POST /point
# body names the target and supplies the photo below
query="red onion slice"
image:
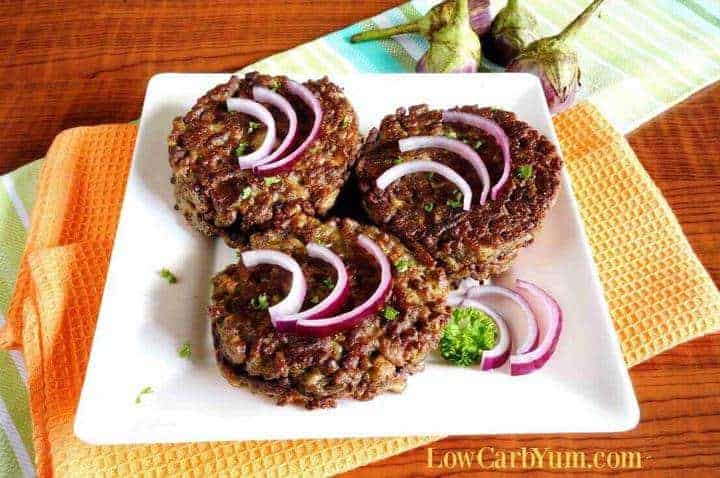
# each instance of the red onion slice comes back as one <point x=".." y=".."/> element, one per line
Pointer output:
<point x="331" y="325"/>
<point x="549" y="314"/>
<point x="531" y="334"/>
<point x="498" y="355"/>
<point x="286" y="163"/>
<point x="329" y="304"/>
<point x="456" y="296"/>
<point x="458" y="147"/>
<point x="255" y="109"/>
<point x="494" y="130"/>
<point x="268" y="96"/>
<point x="411" y="167"/>
<point x="295" y="297"/>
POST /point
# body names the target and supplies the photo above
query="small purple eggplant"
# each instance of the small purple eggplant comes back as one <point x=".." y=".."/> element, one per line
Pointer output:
<point x="556" y="64"/>
<point x="438" y="17"/>
<point x="513" y="29"/>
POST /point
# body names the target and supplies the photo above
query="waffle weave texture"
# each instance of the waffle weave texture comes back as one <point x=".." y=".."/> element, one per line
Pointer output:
<point x="659" y="296"/>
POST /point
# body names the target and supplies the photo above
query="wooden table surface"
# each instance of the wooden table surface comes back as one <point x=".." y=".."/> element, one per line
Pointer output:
<point x="87" y="62"/>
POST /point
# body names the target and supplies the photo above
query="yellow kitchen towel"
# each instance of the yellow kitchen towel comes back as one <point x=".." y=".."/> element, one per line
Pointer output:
<point x="659" y="296"/>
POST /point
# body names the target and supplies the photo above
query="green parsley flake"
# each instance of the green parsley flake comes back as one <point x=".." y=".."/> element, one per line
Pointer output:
<point x="167" y="275"/>
<point x="397" y="160"/>
<point x="469" y="333"/>
<point x="246" y="193"/>
<point x="451" y="134"/>
<point x="403" y="264"/>
<point x="260" y="302"/>
<point x="390" y="313"/>
<point x="240" y="150"/>
<point x="525" y="171"/>
<point x="346" y="121"/>
<point x="185" y="351"/>
<point x="275" y="85"/>
<point x="457" y="201"/>
<point x="478" y="143"/>
<point x="328" y="283"/>
<point x="144" y="391"/>
<point x="429" y="206"/>
<point x="252" y="126"/>
<point x="270" y="180"/>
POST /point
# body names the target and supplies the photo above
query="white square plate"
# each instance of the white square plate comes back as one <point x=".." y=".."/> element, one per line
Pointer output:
<point x="144" y="321"/>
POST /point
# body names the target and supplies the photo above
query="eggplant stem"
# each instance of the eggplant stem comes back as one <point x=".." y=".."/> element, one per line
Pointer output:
<point x="382" y="33"/>
<point x="579" y="21"/>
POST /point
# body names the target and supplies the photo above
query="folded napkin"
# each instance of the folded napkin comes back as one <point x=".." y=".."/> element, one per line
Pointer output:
<point x="659" y="296"/>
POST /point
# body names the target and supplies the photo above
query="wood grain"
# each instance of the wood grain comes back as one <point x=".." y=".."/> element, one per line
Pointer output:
<point x="64" y="64"/>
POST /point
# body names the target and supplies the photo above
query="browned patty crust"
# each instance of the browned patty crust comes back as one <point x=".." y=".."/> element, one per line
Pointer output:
<point x="375" y="356"/>
<point x="423" y="209"/>
<point x="218" y="198"/>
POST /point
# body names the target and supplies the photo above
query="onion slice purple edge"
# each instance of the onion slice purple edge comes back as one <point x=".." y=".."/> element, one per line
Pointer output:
<point x="528" y="362"/>
<point x="531" y="336"/>
<point x="403" y="169"/>
<point x="329" y="304"/>
<point x="268" y="96"/>
<point x="286" y="163"/>
<point x="412" y="143"/>
<point x="295" y="297"/>
<point x="331" y="325"/>
<point x="494" y="130"/>
<point x="498" y="355"/>
<point x="256" y="110"/>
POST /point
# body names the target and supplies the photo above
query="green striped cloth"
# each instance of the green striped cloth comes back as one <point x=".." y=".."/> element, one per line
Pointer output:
<point x="639" y="57"/>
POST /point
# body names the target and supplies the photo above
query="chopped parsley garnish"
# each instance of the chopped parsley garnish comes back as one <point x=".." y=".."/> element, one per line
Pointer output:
<point x="252" y="126"/>
<point x="403" y="264"/>
<point x="144" y="391"/>
<point x="246" y="193"/>
<point x="315" y="299"/>
<point x="328" y="283"/>
<point x="525" y="171"/>
<point x="429" y="206"/>
<point x="451" y="134"/>
<point x="275" y="85"/>
<point x="397" y="160"/>
<point x="185" y="351"/>
<point x="260" y="302"/>
<point x="478" y="143"/>
<point x="469" y="332"/>
<point x="345" y="121"/>
<point x="390" y="313"/>
<point x="457" y="201"/>
<point x="167" y="275"/>
<point x="241" y="148"/>
<point x="270" y="180"/>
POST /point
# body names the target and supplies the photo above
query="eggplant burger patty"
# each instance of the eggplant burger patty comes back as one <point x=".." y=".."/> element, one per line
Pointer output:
<point x="221" y="197"/>
<point x="426" y="210"/>
<point x="371" y="356"/>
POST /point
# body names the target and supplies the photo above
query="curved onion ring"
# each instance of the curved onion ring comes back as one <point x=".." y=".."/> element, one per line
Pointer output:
<point x="329" y="304"/>
<point x="548" y="311"/>
<point x="268" y="96"/>
<point x="286" y="163"/>
<point x="498" y="355"/>
<point x="294" y="299"/>
<point x="531" y="336"/>
<point x="325" y="327"/>
<point x="494" y="130"/>
<point x="412" y="143"/>
<point x="456" y="296"/>
<point x="255" y="109"/>
<point x="410" y="167"/>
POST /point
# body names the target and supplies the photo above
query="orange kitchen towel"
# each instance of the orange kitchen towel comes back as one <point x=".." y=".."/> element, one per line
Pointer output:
<point x="659" y="296"/>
